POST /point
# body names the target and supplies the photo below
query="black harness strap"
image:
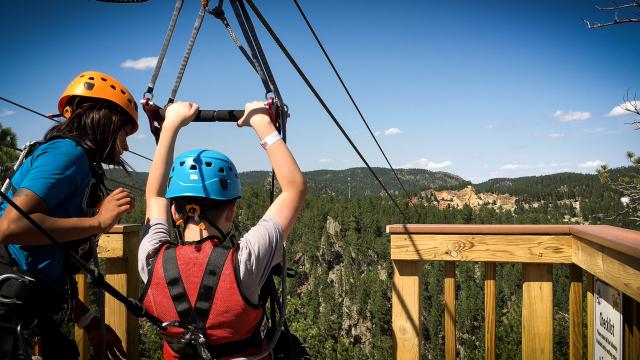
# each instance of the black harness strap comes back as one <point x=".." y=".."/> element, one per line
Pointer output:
<point x="198" y="314"/>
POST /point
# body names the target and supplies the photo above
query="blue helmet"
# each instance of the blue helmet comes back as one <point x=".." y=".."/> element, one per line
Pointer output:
<point x="203" y="173"/>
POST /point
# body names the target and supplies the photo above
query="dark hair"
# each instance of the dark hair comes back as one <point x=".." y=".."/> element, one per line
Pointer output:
<point x="210" y="207"/>
<point x="96" y="124"/>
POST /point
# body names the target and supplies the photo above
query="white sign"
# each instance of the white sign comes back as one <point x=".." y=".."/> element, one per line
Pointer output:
<point x="608" y="322"/>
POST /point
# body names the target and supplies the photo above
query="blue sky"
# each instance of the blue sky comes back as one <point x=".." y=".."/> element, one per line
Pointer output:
<point x="479" y="89"/>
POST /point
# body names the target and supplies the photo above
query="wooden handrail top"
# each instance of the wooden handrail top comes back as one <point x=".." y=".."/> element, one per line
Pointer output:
<point x="124" y="228"/>
<point x="623" y="240"/>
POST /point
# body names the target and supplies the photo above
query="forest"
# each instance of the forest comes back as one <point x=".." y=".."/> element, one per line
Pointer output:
<point x="339" y="302"/>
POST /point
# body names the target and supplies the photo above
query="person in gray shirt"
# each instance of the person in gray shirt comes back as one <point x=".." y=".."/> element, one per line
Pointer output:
<point x="201" y="202"/>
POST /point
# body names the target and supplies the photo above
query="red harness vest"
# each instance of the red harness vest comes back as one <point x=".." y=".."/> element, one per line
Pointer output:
<point x="234" y="327"/>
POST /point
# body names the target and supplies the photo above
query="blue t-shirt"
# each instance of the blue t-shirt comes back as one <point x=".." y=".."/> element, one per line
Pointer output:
<point x="59" y="173"/>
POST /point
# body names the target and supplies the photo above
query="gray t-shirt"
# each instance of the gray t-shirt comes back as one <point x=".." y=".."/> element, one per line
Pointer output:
<point x="259" y="249"/>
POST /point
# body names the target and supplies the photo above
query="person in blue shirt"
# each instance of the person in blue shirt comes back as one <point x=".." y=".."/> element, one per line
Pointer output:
<point x="61" y="185"/>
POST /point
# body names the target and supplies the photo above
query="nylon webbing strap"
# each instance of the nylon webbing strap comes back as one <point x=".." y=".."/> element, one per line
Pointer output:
<point x="174" y="283"/>
<point x="207" y="291"/>
<point x="165" y="46"/>
<point x="258" y="49"/>
<point x="218" y="13"/>
<point x="198" y="314"/>
<point x="187" y="52"/>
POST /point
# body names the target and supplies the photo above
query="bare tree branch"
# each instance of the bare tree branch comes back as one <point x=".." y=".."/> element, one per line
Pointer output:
<point x="616" y="20"/>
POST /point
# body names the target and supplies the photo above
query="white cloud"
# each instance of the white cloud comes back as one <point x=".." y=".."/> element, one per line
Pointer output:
<point x="5" y="112"/>
<point x="556" y="135"/>
<point x="377" y="133"/>
<point x="392" y="132"/>
<point x="592" y="164"/>
<point x="623" y="109"/>
<point x="513" y="166"/>
<point x="427" y="164"/>
<point x="143" y="63"/>
<point x="594" y="131"/>
<point x="571" y="115"/>
<point x="139" y="136"/>
<point x="488" y="126"/>
<point x="326" y="161"/>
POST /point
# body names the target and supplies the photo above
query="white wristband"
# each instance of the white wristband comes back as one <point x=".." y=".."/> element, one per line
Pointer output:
<point x="270" y="139"/>
<point x="86" y="319"/>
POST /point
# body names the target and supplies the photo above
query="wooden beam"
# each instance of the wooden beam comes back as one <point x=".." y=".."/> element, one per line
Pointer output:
<point x="490" y="311"/>
<point x="405" y="310"/>
<point x="81" y="340"/>
<point x="449" y="310"/>
<point x="537" y="312"/>
<point x="575" y="313"/>
<point x="590" y="315"/>
<point x="550" y="249"/>
<point x="617" y="269"/>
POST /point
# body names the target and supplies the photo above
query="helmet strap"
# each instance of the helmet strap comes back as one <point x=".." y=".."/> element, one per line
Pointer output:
<point x="199" y="219"/>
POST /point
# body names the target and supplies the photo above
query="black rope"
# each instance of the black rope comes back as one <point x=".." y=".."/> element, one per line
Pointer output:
<point x="96" y="276"/>
<point x="26" y="108"/>
<point x="187" y="53"/>
<point x="344" y="86"/>
<point x="165" y="46"/>
<point x="58" y="121"/>
<point x="320" y="100"/>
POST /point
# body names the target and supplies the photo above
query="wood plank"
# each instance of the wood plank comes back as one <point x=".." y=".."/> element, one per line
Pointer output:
<point x="537" y="312"/>
<point x="478" y="229"/>
<point x="449" y="310"/>
<point x="490" y="311"/>
<point x="81" y="340"/>
<point x="115" y="312"/>
<point x="617" y="269"/>
<point x="575" y="313"/>
<point x="495" y="248"/>
<point x="111" y="246"/>
<point x="590" y="315"/>
<point x="405" y="310"/>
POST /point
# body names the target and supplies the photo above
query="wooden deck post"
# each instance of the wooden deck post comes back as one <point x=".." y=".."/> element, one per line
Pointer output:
<point x="118" y="250"/>
<point x="450" y="310"/>
<point x="490" y="311"/>
<point x="405" y="309"/>
<point x="575" y="313"/>
<point x="537" y="312"/>
<point x="590" y="315"/>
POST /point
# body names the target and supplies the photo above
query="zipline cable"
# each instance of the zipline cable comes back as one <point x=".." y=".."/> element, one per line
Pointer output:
<point x="344" y="86"/>
<point x="320" y="100"/>
<point x="58" y="121"/>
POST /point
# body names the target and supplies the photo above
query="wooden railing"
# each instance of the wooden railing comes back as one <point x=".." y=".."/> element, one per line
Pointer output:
<point x="609" y="253"/>
<point x="117" y="251"/>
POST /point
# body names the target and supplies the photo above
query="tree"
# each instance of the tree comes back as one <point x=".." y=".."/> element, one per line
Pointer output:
<point x="629" y="185"/>
<point x="615" y="8"/>
<point x="8" y="153"/>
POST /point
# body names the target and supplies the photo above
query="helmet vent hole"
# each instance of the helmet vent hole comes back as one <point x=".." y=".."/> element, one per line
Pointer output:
<point x="122" y="91"/>
<point x="82" y="75"/>
<point x="103" y="79"/>
<point x="129" y="101"/>
<point x="193" y="167"/>
<point x="113" y="87"/>
<point x="89" y="86"/>
<point x="230" y="168"/>
<point x="208" y="163"/>
<point x="224" y="184"/>
<point x="181" y="163"/>
<point x="91" y="78"/>
<point x="221" y="170"/>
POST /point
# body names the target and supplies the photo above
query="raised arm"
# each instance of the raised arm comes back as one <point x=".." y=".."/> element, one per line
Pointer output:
<point x="178" y="115"/>
<point x="287" y="205"/>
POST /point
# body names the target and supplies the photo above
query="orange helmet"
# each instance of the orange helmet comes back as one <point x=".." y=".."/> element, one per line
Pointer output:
<point x="102" y="86"/>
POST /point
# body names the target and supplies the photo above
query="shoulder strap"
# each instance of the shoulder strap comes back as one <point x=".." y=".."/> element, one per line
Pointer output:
<point x="198" y="314"/>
